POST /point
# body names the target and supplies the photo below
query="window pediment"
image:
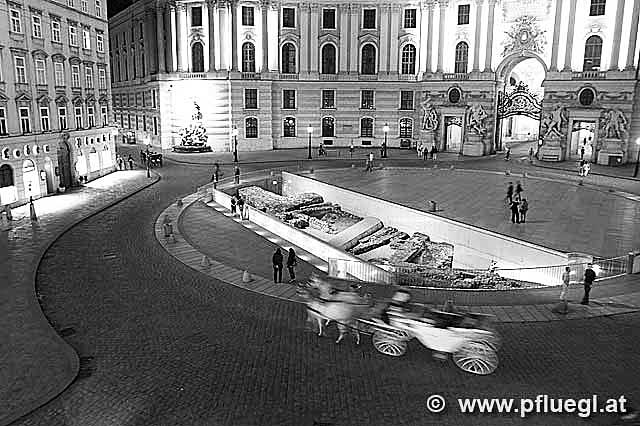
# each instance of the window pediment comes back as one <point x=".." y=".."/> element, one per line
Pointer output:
<point x="74" y="60"/>
<point x="61" y="100"/>
<point x="58" y="57"/>
<point x="43" y="100"/>
<point x="103" y="100"/>
<point x="39" y="54"/>
<point x="3" y="98"/>
<point x="368" y="38"/>
<point x="91" y="99"/>
<point x="77" y="101"/>
<point x="23" y="99"/>
<point x="329" y="38"/>
<point x="407" y="38"/>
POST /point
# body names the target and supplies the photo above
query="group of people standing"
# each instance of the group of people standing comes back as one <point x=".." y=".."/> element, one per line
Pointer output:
<point x="237" y="205"/>
<point x="518" y="205"/>
<point x="277" y="261"/>
<point x="424" y="152"/>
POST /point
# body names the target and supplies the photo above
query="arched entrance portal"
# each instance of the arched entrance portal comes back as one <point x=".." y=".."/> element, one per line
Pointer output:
<point x="519" y="101"/>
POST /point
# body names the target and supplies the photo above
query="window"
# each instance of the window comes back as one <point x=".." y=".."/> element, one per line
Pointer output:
<point x="196" y="16"/>
<point x="55" y="31"/>
<point x="86" y="39"/>
<point x="104" y="112"/>
<point x="369" y="19"/>
<point x="328" y="59"/>
<point x="16" y="21"/>
<point x="41" y="74"/>
<point x="197" y="57"/>
<point x="85" y="5"/>
<point x="247" y="16"/>
<point x="288" y="58"/>
<point x="44" y="119"/>
<point x="102" y="78"/>
<point x="155" y="126"/>
<point x="328" y="99"/>
<point x="70" y="3"/>
<point x="592" y="54"/>
<point x="289" y="127"/>
<point x="58" y="68"/>
<point x="248" y="57"/>
<point x="251" y="127"/>
<point x="77" y="112"/>
<point x="100" y="42"/>
<point x="463" y="14"/>
<point x="368" y="65"/>
<point x="406" y="128"/>
<point x="21" y="71"/>
<point x="406" y="99"/>
<point x="73" y="35"/>
<point x="25" y="120"/>
<point x="251" y="98"/>
<point x="366" y="99"/>
<point x="98" y="8"/>
<point x="597" y="7"/>
<point x="91" y="116"/>
<point x="288" y="17"/>
<point x="587" y="97"/>
<point x="288" y="99"/>
<point x="410" y="18"/>
<point x="328" y="127"/>
<point x="408" y="59"/>
<point x="366" y="127"/>
<point x="454" y="95"/>
<point x="462" y="57"/>
<point x="6" y="176"/>
<point x="36" y="26"/>
<point x="329" y="19"/>
<point x="3" y="121"/>
<point x="88" y="77"/>
<point x="75" y="75"/>
<point x="62" y="117"/>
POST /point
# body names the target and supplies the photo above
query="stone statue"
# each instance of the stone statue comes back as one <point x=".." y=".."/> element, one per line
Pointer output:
<point x="553" y="122"/>
<point x="614" y="124"/>
<point x="198" y="115"/>
<point x="430" y="115"/>
<point x="476" y="116"/>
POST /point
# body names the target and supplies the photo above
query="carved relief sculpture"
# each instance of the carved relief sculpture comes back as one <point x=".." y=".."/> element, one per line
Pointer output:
<point x="552" y="123"/>
<point x="430" y="115"/>
<point x="525" y="34"/>
<point x="614" y="125"/>
<point x="476" y="116"/>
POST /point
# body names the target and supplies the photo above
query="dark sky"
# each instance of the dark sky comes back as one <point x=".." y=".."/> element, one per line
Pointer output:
<point x="115" y="6"/>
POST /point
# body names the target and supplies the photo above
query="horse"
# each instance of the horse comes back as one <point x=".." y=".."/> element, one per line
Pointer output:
<point x="324" y="305"/>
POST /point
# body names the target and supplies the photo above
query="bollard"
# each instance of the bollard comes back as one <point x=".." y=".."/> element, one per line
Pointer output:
<point x="524" y="174"/>
<point x="507" y="172"/>
<point x="172" y="238"/>
<point x="205" y="262"/>
<point x="451" y="167"/>
<point x="432" y="206"/>
<point x="246" y="277"/>
<point x="32" y="210"/>
<point x="168" y="229"/>
<point x="179" y="202"/>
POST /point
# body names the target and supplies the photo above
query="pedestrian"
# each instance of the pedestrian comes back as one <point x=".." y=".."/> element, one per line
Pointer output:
<point x="277" y="265"/>
<point x="586" y="168"/>
<point x="589" y="278"/>
<point x="120" y="163"/>
<point x="236" y="175"/>
<point x="351" y="149"/>
<point x="531" y="155"/>
<point x="434" y="152"/>
<point x="515" y="214"/>
<point x="582" y="150"/>
<point x="420" y="149"/>
<point x="510" y="192"/>
<point x="321" y="150"/>
<point x="370" y="162"/>
<point x="564" y="292"/>
<point x="519" y="190"/>
<point x="581" y="168"/>
<point x="524" y="207"/>
<point x="216" y="171"/>
<point x="507" y="154"/>
<point x="234" y="202"/>
<point x="130" y="160"/>
<point x="241" y="207"/>
<point x="292" y="262"/>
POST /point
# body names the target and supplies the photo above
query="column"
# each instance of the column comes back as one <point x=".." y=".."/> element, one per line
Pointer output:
<point x="184" y="38"/>
<point x="150" y="44"/>
<point x="274" y="25"/>
<point x="572" y="24"/>
<point x="160" y="40"/>
<point x="617" y="35"/>
<point x="172" y="40"/>
<point x="315" y="20"/>
<point x="223" y="31"/>
<point x="476" y="41"/>
<point x="422" y="49"/>
<point x="354" y="48"/>
<point x="489" y="48"/>
<point x="631" y="51"/>
<point x="211" y="42"/>
<point x="179" y="42"/>
<point x="305" y="28"/>
<point x="395" y="31"/>
<point x="343" y="49"/>
<point x="443" y="13"/>
<point x="234" y="35"/>
<point x="384" y="55"/>
<point x="556" y="36"/>
<point x="429" y="52"/>
<point x="264" y="11"/>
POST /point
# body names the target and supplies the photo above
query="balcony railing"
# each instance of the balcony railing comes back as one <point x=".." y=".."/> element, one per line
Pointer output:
<point x="589" y="75"/>
<point x="192" y="75"/>
<point x="455" y="76"/>
<point x="288" y="76"/>
<point x="407" y="77"/>
<point x="368" y="77"/>
<point x="328" y="77"/>
<point x="250" y="76"/>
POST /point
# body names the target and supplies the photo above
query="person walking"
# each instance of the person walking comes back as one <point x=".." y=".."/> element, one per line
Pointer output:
<point x="130" y="160"/>
<point x="292" y="262"/>
<point x="586" y="169"/>
<point x="370" y="162"/>
<point x="120" y="163"/>
<point x="582" y="149"/>
<point x="531" y="155"/>
<point x="510" y="192"/>
<point x="581" y="168"/>
<point x="589" y="278"/>
<point x="276" y="260"/>
<point x="524" y="207"/>
<point x="241" y="207"/>
<point x="234" y="202"/>
<point x="507" y="154"/>
<point x="519" y="190"/>
<point x="420" y="149"/>
<point x="515" y="213"/>
<point x="434" y="152"/>
<point x="216" y="172"/>
<point x="351" y="149"/>
<point x="236" y="175"/>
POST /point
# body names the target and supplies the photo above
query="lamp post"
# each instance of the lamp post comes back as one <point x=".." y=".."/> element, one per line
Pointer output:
<point x="635" y="173"/>
<point x="147" y="142"/>
<point x="234" y="132"/>
<point x="385" y="129"/>
<point x="310" y="131"/>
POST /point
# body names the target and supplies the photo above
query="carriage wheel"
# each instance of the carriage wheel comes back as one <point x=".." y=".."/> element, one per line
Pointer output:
<point x="388" y="345"/>
<point x="477" y="358"/>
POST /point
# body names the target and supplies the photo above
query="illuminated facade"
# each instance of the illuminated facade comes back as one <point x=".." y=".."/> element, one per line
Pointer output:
<point x="54" y="97"/>
<point x="445" y="72"/>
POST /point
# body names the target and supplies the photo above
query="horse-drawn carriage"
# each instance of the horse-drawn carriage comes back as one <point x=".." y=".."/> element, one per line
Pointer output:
<point x="468" y="336"/>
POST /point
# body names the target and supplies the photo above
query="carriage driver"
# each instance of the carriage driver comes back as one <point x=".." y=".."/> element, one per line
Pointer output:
<point x="400" y="304"/>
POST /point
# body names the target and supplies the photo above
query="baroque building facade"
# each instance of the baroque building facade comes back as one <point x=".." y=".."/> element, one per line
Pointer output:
<point x="55" y="97"/>
<point x="431" y="72"/>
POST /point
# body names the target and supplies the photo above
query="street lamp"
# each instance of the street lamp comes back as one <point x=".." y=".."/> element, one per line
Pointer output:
<point x="385" y="129"/>
<point x="234" y="132"/>
<point x="310" y="131"/>
<point x="635" y="173"/>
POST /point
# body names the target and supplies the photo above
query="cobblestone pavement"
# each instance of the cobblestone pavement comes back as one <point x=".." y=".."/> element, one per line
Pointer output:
<point x="162" y="344"/>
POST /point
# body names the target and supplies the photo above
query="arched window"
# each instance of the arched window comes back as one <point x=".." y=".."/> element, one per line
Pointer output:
<point x="6" y="176"/>
<point x="289" y="127"/>
<point x="197" y="58"/>
<point x="288" y="58"/>
<point x="462" y="57"/>
<point x="328" y="127"/>
<point x="328" y="59"/>
<point x="366" y="127"/>
<point x="248" y="57"/>
<point x="409" y="59"/>
<point x="406" y="128"/>
<point x="368" y="59"/>
<point x="251" y="127"/>
<point x="592" y="53"/>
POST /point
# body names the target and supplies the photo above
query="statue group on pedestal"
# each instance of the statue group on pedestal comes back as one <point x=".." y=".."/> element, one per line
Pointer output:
<point x="430" y="119"/>
<point x="476" y="116"/>
<point x="553" y="122"/>
<point x="613" y="125"/>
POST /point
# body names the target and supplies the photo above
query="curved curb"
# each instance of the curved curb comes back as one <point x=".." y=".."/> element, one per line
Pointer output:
<point x="71" y="352"/>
